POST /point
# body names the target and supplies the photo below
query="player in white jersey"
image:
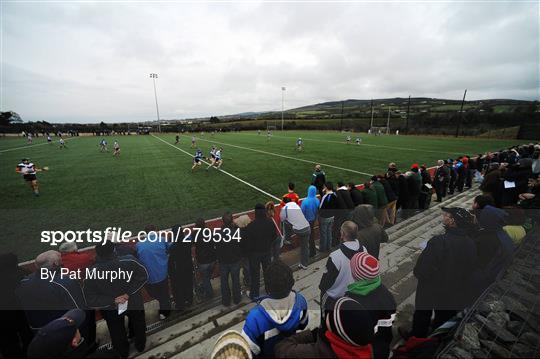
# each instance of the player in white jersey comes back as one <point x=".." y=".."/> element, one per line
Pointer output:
<point x="116" y="147"/>
<point x="29" y="139"/>
<point x="258" y="132"/>
<point x="193" y="142"/>
<point x="268" y="135"/>
<point x="348" y="139"/>
<point x="218" y="160"/>
<point x="358" y="140"/>
<point x="49" y="139"/>
<point x="61" y="143"/>
<point x="28" y="170"/>
<point x="212" y="157"/>
<point x="299" y="144"/>
<point x="103" y="146"/>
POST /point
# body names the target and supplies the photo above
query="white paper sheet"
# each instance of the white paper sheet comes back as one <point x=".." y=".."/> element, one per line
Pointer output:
<point x="122" y="307"/>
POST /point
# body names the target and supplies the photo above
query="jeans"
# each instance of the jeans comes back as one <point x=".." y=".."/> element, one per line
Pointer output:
<point x="206" y="273"/>
<point x="232" y="269"/>
<point x="160" y="291"/>
<point x="325" y="227"/>
<point x="304" y="235"/>
<point x="312" y="249"/>
<point x="256" y="261"/>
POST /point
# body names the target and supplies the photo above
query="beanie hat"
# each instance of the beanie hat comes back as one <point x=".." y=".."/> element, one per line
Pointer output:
<point x="364" y="266"/>
<point x="231" y="345"/>
<point x="351" y="322"/>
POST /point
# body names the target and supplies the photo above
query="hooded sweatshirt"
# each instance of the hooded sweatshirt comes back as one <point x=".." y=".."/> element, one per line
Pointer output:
<point x="310" y="205"/>
<point x="493" y="219"/>
<point x="259" y="234"/>
<point x="273" y="319"/>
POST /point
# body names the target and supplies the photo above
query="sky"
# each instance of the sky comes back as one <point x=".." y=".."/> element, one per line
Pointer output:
<point x="72" y="61"/>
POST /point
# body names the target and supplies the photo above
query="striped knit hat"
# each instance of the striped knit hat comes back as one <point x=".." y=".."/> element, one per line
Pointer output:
<point x="364" y="266"/>
<point x="351" y="322"/>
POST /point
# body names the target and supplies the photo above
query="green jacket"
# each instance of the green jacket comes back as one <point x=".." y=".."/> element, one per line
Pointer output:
<point x="381" y="194"/>
<point x="370" y="197"/>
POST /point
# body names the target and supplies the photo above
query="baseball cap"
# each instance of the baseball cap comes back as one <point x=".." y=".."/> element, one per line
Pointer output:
<point x="53" y="340"/>
<point x="460" y="215"/>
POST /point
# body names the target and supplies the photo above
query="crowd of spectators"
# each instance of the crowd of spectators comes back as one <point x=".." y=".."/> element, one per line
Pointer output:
<point x="357" y="311"/>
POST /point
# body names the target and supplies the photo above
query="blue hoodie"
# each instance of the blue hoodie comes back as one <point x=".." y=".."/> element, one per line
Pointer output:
<point x="310" y="205"/>
<point x="272" y="320"/>
<point x="493" y="219"/>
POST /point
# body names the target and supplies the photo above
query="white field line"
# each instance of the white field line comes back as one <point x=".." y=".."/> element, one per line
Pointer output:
<point x="362" y="144"/>
<point x="37" y="144"/>
<point x="287" y="157"/>
<point x="223" y="171"/>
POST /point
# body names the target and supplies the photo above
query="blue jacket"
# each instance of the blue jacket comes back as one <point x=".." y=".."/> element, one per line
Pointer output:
<point x="310" y="205"/>
<point x="153" y="254"/>
<point x="268" y="322"/>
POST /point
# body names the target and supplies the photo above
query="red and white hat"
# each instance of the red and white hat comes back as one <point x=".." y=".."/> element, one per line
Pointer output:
<point x="364" y="266"/>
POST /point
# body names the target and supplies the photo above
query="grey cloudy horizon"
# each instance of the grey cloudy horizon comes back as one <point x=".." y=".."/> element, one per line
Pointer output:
<point x="90" y="62"/>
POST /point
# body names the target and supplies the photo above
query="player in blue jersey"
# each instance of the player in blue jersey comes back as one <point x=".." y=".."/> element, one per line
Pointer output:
<point x="197" y="159"/>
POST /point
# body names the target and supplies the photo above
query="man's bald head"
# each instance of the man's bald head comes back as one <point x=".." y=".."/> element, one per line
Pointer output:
<point x="50" y="260"/>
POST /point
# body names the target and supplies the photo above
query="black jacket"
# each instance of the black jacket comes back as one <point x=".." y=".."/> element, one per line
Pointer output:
<point x="382" y="307"/>
<point x="356" y="196"/>
<point x="403" y="191"/>
<point x="205" y="251"/>
<point x="328" y="206"/>
<point x="390" y="195"/>
<point x="318" y="179"/>
<point x="444" y="270"/>
<point x="231" y="251"/>
<point x="43" y="301"/>
<point x="259" y="234"/>
<point x="345" y="199"/>
<point x="412" y="186"/>
<point x="100" y="293"/>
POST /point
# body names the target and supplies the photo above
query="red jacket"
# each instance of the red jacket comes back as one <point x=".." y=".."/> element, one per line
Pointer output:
<point x="77" y="260"/>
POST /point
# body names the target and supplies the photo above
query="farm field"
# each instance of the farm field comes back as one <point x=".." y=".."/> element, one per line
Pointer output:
<point x="152" y="182"/>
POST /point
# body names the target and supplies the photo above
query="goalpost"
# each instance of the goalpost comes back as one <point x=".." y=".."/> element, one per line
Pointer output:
<point x="380" y="130"/>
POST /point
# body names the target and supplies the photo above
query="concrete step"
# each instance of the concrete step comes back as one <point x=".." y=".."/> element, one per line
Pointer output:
<point x="194" y="337"/>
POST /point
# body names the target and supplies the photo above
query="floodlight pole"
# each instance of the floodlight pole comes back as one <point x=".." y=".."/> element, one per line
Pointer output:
<point x="341" y="125"/>
<point x="407" y="121"/>
<point x="371" y="125"/>
<point x="282" y="105"/>
<point x="154" y="77"/>
<point x="461" y="113"/>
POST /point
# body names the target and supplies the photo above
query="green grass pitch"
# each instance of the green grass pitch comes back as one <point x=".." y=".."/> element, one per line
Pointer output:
<point x="152" y="182"/>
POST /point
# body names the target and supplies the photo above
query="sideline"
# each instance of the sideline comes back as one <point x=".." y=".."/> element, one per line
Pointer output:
<point x="37" y="144"/>
<point x="223" y="171"/>
<point x="288" y="157"/>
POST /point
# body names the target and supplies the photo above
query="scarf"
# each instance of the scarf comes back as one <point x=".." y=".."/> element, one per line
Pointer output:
<point x="364" y="287"/>
<point x="344" y="350"/>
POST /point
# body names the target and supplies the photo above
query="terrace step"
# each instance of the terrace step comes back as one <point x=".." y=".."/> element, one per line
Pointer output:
<point x="195" y="336"/>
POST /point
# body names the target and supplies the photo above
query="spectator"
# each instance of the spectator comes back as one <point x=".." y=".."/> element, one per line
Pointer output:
<point x="441" y="180"/>
<point x="60" y="338"/>
<point x="382" y="200"/>
<point x="369" y="195"/>
<point x="293" y="216"/>
<point x="356" y="194"/>
<point x="403" y="199"/>
<point x="310" y="209"/>
<point x="73" y="259"/>
<point x="370" y="233"/>
<point x="259" y="236"/>
<point x="242" y="222"/>
<point x="44" y="299"/>
<point x="181" y="270"/>
<point x="153" y="253"/>
<point x="346" y="331"/>
<point x="16" y="334"/>
<point x="391" y="197"/>
<point x="327" y="211"/>
<point x="231" y="345"/>
<point x="392" y="167"/>
<point x="426" y="190"/>
<point x="318" y="179"/>
<point x="481" y="201"/>
<point x="206" y="259"/>
<point x="515" y="182"/>
<point x="280" y="240"/>
<point x="470" y="165"/>
<point x="337" y="273"/>
<point x="343" y="211"/>
<point x="493" y="220"/>
<point x="229" y="255"/>
<point x="291" y="195"/>
<point x="492" y="181"/>
<point x="450" y="163"/>
<point x="281" y="313"/>
<point x="375" y="298"/>
<point x="444" y="270"/>
<point x="110" y="294"/>
<point x="461" y="174"/>
<point x="413" y="185"/>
